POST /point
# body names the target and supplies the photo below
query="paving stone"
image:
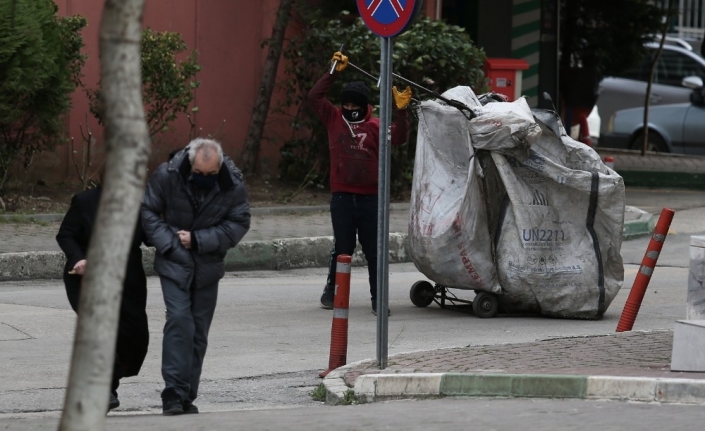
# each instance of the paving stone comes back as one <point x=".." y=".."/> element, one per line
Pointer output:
<point x="644" y="354"/>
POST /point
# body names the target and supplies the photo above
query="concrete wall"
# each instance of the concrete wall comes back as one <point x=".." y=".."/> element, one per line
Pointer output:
<point x="227" y="36"/>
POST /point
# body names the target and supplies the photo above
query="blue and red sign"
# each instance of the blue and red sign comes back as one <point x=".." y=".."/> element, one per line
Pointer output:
<point x="387" y="18"/>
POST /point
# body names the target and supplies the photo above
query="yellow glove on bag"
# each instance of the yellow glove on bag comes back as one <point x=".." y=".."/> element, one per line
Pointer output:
<point x="341" y="59"/>
<point x="402" y="99"/>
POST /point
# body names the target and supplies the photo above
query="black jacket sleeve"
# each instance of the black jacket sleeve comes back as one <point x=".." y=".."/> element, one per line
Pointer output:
<point x="157" y="232"/>
<point x="71" y="238"/>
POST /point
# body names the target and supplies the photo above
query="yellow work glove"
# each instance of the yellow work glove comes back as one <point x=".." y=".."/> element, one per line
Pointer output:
<point x="341" y="59"/>
<point x="402" y="99"/>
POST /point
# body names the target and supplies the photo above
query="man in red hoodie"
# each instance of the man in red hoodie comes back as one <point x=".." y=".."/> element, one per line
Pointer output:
<point x="353" y="141"/>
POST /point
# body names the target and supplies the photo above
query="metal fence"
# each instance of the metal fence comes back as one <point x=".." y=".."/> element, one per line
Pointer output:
<point x="691" y="19"/>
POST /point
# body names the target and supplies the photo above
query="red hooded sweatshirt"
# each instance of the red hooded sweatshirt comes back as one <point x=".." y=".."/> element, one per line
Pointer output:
<point x="354" y="147"/>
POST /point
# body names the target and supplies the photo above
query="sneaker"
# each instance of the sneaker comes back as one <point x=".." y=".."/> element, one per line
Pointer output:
<point x="114" y="401"/>
<point x="374" y="308"/>
<point x="171" y="403"/>
<point x="327" y="297"/>
<point x="189" y="408"/>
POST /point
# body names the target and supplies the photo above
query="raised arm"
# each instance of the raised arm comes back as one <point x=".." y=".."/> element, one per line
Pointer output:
<point x="321" y="106"/>
<point x="400" y="126"/>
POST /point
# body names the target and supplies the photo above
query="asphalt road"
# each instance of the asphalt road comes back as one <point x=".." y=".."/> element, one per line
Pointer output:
<point x="269" y="338"/>
<point x="426" y="415"/>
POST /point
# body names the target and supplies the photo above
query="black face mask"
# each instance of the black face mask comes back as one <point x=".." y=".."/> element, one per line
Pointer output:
<point x="354" y="115"/>
<point x="205" y="182"/>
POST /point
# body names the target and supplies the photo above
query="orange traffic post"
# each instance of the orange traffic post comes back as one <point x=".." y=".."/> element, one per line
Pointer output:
<point x="641" y="282"/>
<point x="341" y="303"/>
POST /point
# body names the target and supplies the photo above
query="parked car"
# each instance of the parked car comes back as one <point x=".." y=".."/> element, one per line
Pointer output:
<point x="677" y="61"/>
<point x="675" y="128"/>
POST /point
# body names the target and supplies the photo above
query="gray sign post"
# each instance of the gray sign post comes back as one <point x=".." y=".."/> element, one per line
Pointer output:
<point x="386" y="19"/>
<point x="385" y="160"/>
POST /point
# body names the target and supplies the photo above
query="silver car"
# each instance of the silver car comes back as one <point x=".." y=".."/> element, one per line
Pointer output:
<point x="676" y="128"/>
<point x="629" y="90"/>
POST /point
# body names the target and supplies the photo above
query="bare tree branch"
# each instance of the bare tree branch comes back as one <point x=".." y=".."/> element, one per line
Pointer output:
<point x="259" y="114"/>
<point x="654" y="63"/>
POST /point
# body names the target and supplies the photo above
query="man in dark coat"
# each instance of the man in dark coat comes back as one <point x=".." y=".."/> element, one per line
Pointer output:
<point x="194" y="210"/>
<point x="133" y="334"/>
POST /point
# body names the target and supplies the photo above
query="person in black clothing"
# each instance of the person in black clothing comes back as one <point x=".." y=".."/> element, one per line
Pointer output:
<point x="133" y="333"/>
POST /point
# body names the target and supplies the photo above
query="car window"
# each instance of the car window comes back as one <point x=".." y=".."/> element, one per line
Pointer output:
<point x="674" y="66"/>
<point x="671" y="68"/>
<point x="642" y="71"/>
<point x="638" y="73"/>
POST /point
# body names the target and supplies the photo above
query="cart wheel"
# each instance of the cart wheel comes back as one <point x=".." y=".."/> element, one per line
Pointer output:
<point x="422" y="293"/>
<point x="484" y="305"/>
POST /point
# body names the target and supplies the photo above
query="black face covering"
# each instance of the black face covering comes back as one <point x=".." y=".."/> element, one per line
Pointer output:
<point x="205" y="182"/>
<point x="354" y="115"/>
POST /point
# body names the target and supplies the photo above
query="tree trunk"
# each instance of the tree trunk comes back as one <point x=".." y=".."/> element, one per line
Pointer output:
<point x="127" y="151"/>
<point x="259" y="113"/>
<point x="647" y="101"/>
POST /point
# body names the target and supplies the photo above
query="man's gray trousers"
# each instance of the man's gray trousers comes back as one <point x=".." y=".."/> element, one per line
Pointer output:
<point x="189" y="317"/>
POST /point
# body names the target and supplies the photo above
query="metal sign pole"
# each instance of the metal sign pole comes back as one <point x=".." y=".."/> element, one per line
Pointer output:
<point x="385" y="114"/>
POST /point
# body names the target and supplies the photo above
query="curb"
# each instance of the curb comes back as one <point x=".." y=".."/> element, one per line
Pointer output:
<point x="657" y="170"/>
<point x="335" y="385"/>
<point x="249" y="255"/>
<point x="682" y="180"/>
<point x="303" y="209"/>
<point x="401" y="384"/>
<point x="279" y="254"/>
<point x="377" y="387"/>
<point x="644" y="224"/>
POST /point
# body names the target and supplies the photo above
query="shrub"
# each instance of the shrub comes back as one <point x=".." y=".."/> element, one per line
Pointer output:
<point x="168" y="85"/>
<point x="432" y="53"/>
<point x="40" y="63"/>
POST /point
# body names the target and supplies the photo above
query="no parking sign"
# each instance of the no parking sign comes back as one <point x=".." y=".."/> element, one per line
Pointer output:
<point x="387" y="18"/>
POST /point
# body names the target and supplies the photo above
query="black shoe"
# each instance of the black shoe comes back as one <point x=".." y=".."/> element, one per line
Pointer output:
<point x="374" y="308"/>
<point x="171" y="403"/>
<point x="189" y="408"/>
<point x="114" y="401"/>
<point x="327" y="297"/>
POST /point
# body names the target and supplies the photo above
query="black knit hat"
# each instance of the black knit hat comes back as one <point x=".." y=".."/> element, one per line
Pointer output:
<point x="357" y="93"/>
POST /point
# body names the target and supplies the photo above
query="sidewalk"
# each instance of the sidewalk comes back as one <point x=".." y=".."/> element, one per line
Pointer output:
<point x="632" y="366"/>
<point x="279" y="238"/>
<point x="658" y="169"/>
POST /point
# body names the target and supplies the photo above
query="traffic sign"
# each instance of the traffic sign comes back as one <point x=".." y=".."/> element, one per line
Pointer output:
<point x="385" y="18"/>
<point x="388" y="18"/>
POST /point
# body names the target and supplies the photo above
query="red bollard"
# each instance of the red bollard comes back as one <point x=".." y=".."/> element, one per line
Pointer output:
<point x="641" y="282"/>
<point x="341" y="303"/>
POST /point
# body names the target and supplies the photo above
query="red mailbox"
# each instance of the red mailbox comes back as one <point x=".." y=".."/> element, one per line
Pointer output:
<point x="505" y="76"/>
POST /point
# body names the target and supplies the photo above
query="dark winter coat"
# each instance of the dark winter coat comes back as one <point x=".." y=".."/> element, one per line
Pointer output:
<point x="75" y="235"/>
<point x="216" y="225"/>
<point x="354" y="147"/>
<point x="73" y="238"/>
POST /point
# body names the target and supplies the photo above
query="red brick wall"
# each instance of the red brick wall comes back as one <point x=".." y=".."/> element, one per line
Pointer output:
<point x="227" y="36"/>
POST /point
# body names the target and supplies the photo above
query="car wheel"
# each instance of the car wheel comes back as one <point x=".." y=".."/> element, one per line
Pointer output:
<point x="655" y="143"/>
